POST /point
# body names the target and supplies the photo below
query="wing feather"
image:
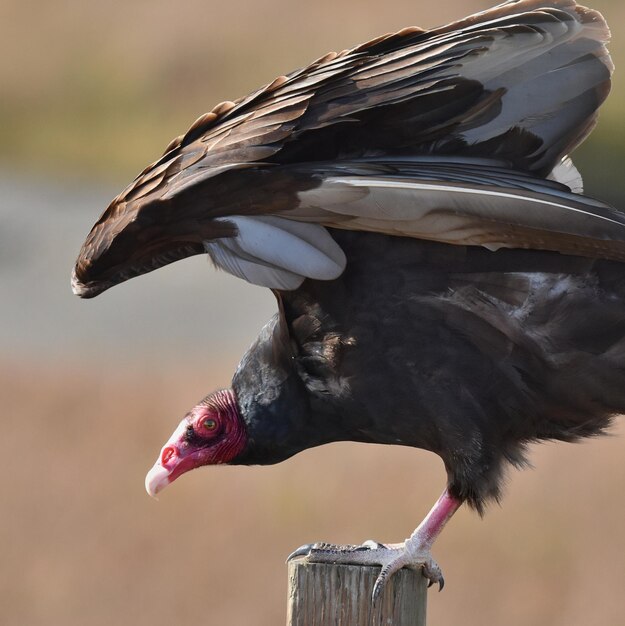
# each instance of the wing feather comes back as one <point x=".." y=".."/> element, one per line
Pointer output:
<point x="518" y="85"/>
<point x="464" y="203"/>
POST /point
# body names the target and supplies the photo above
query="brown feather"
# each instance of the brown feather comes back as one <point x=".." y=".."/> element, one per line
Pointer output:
<point x="398" y="94"/>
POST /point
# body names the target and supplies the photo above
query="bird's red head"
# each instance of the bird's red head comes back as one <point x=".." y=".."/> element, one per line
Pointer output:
<point x="211" y="433"/>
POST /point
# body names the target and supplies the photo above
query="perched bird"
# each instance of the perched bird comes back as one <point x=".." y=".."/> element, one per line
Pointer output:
<point x="483" y="310"/>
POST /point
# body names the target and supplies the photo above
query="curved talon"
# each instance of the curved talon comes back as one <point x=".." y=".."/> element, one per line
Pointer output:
<point x="386" y="572"/>
<point x="391" y="557"/>
<point x="433" y="573"/>
<point x="440" y="581"/>
<point x="378" y="587"/>
<point x="322" y="547"/>
<point x="304" y="550"/>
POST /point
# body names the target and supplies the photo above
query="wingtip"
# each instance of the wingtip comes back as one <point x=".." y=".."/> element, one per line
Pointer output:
<point x="78" y="289"/>
<point x="83" y="290"/>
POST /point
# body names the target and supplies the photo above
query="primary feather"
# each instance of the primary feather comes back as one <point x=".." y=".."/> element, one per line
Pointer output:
<point x="457" y="135"/>
<point x="495" y="101"/>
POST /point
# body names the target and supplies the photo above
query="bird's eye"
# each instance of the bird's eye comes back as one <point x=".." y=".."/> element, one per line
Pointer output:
<point x="209" y="423"/>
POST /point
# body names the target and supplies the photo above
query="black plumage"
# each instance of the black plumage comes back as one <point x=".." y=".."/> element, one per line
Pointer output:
<point x="464" y="352"/>
<point x="442" y="282"/>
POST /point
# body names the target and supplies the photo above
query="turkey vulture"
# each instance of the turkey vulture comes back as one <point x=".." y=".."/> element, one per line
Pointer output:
<point x="441" y="281"/>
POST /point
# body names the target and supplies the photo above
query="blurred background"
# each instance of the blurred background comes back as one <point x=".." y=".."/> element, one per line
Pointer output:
<point x="91" y="93"/>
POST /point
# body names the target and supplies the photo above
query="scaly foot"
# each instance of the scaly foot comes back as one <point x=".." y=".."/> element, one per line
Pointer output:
<point x="413" y="553"/>
<point x="392" y="557"/>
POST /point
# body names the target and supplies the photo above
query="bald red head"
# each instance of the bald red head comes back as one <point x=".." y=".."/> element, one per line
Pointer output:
<point x="211" y="433"/>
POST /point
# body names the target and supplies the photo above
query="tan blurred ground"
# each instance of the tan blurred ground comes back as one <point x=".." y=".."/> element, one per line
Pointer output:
<point x="89" y="391"/>
<point x="83" y="545"/>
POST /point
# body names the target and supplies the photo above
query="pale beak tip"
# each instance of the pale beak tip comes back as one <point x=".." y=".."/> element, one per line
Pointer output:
<point x="156" y="480"/>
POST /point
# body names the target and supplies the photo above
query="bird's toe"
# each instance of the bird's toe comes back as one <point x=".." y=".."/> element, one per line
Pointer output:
<point x="302" y="551"/>
<point x="391" y="557"/>
<point x="433" y="573"/>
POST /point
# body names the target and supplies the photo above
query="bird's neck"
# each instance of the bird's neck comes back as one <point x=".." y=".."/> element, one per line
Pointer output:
<point x="283" y="419"/>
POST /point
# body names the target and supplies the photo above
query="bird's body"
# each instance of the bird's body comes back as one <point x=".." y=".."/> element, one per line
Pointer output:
<point x="436" y="349"/>
<point x="441" y="281"/>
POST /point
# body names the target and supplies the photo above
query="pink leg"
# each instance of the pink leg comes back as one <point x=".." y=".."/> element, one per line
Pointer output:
<point x="430" y="528"/>
<point x="414" y="552"/>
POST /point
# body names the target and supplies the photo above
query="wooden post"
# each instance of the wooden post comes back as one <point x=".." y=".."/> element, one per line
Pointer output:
<point x="323" y="594"/>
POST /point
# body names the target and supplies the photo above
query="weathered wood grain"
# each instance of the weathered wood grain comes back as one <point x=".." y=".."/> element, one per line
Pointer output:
<point x="323" y="594"/>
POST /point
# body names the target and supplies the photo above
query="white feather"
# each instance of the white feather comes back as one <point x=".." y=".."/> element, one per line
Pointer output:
<point x="251" y="271"/>
<point x="567" y="174"/>
<point x="276" y="252"/>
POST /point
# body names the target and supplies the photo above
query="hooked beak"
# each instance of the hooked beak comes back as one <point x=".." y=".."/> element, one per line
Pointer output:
<point x="173" y="461"/>
<point x="157" y="479"/>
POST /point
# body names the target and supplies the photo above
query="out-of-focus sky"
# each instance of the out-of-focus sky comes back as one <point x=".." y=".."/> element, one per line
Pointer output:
<point x="91" y="93"/>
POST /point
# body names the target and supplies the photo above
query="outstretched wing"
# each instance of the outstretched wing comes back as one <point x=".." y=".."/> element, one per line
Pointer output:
<point x="255" y="182"/>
